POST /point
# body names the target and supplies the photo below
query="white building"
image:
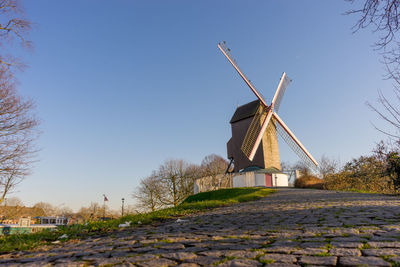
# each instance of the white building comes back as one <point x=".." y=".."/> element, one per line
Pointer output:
<point x="270" y="177"/>
<point x="53" y="220"/>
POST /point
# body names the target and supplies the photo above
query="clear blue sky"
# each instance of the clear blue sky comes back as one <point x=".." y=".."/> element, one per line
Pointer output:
<point x="121" y="86"/>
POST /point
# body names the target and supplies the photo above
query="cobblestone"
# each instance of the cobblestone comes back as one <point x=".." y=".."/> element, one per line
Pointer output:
<point x="325" y="261"/>
<point x="292" y="227"/>
<point x="279" y="258"/>
<point x="363" y="261"/>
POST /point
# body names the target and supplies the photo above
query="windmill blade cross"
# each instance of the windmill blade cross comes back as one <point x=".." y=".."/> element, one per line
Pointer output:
<point x="226" y="51"/>
<point x="256" y="131"/>
<point x="266" y="114"/>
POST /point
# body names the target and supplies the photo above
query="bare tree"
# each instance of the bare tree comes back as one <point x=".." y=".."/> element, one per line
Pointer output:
<point x="13" y="201"/>
<point x="17" y="124"/>
<point x="192" y="172"/>
<point x="167" y="186"/>
<point x="48" y="209"/>
<point x="286" y="166"/>
<point x="64" y="211"/>
<point x="388" y="112"/>
<point x="130" y="209"/>
<point x="17" y="136"/>
<point x="150" y="193"/>
<point x="83" y="214"/>
<point x="303" y="168"/>
<point x="93" y="212"/>
<point x="13" y="25"/>
<point x="214" y="166"/>
<point x="327" y="166"/>
<point x="383" y="17"/>
<point x="172" y="174"/>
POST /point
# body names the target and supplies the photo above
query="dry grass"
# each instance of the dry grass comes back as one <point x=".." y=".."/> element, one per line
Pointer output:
<point x="309" y="181"/>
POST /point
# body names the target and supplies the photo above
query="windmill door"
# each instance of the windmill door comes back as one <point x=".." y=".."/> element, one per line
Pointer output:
<point x="268" y="180"/>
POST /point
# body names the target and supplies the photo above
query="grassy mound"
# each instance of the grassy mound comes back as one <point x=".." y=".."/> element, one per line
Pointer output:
<point x="192" y="204"/>
<point x="230" y="195"/>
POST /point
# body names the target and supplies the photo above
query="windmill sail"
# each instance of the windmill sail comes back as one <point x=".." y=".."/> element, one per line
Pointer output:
<point x="254" y="130"/>
<point x="293" y="142"/>
<point x="227" y="52"/>
<point x="283" y="84"/>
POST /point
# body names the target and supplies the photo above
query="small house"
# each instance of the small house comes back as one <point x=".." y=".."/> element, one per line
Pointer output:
<point x="254" y="176"/>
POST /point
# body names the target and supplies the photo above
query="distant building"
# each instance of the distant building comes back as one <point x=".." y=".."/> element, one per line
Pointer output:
<point x="253" y="176"/>
<point x="52" y="220"/>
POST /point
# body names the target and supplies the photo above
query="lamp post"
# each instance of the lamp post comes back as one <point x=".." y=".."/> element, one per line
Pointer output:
<point x="122" y="208"/>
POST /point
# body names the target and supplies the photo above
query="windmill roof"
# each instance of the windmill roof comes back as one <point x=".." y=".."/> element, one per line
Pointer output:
<point x="246" y="111"/>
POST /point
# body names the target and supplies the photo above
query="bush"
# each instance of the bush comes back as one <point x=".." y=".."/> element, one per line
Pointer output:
<point x="309" y="181"/>
<point x="365" y="174"/>
<point x="348" y="182"/>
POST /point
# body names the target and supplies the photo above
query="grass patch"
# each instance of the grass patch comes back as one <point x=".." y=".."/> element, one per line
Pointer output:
<point x="266" y="261"/>
<point x="196" y="203"/>
<point x="366" y="246"/>
<point x="230" y="195"/>
<point x="355" y="190"/>
<point x="229" y="258"/>
<point x="389" y="259"/>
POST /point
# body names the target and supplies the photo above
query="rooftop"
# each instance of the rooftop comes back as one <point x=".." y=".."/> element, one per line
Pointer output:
<point x="246" y="111"/>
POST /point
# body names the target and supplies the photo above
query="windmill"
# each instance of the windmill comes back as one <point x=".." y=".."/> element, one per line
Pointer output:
<point x="263" y="128"/>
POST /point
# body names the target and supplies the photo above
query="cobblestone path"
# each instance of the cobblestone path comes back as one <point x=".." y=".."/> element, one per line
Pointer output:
<point x="292" y="227"/>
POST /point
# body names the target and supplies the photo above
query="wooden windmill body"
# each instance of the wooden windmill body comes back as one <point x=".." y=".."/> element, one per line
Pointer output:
<point x="267" y="154"/>
<point x="255" y="125"/>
